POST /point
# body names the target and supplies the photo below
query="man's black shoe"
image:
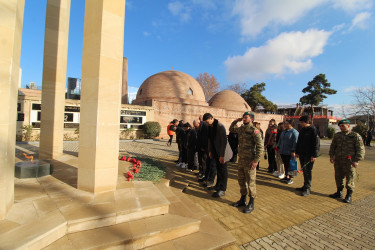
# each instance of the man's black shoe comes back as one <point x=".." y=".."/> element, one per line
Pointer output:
<point x="250" y="207"/>
<point x="201" y="179"/>
<point x="306" y="192"/>
<point x="241" y="202"/>
<point x="219" y="193"/>
<point x="336" y="195"/>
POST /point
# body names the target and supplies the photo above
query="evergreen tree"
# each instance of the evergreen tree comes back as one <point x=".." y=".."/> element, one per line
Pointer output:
<point x="254" y="97"/>
<point x="317" y="90"/>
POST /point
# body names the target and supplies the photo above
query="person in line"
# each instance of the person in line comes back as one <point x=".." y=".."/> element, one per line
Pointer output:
<point x="307" y="150"/>
<point x="170" y="131"/>
<point x="280" y="173"/>
<point x="202" y="148"/>
<point x="271" y="166"/>
<point x="287" y="147"/>
<point x="345" y="152"/>
<point x="233" y="142"/>
<point x="250" y="151"/>
<point x="219" y="152"/>
<point x="190" y="146"/>
<point x="369" y="137"/>
<point x="257" y="125"/>
<point x="180" y="138"/>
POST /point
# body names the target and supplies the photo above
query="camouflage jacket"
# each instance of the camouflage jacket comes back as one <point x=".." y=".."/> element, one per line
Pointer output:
<point x="250" y="143"/>
<point x="345" y="144"/>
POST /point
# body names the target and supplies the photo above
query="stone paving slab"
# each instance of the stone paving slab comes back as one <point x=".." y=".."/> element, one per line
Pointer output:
<point x="349" y="227"/>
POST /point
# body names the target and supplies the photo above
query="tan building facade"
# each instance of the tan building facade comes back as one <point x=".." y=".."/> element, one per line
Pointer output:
<point x="29" y="112"/>
<point x="176" y="95"/>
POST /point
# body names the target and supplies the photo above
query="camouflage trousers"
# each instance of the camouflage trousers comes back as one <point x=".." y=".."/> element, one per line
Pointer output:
<point x="246" y="178"/>
<point x="343" y="169"/>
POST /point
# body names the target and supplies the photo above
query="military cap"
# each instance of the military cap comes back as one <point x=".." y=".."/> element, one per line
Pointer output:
<point x="344" y="121"/>
<point x="250" y="113"/>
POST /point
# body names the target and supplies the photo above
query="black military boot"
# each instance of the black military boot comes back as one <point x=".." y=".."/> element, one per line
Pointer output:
<point x="338" y="194"/>
<point x="241" y="202"/>
<point x="348" y="197"/>
<point x="250" y="207"/>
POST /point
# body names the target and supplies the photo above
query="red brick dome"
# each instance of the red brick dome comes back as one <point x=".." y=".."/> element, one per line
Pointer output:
<point x="230" y="100"/>
<point x="172" y="86"/>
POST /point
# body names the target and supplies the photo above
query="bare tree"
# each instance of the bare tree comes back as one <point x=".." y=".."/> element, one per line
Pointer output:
<point x="209" y="85"/>
<point x="364" y="103"/>
<point x="239" y="88"/>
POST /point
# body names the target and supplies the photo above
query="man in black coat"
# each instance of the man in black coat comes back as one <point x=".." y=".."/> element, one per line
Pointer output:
<point x="180" y="138"/>
<point x="190" y="145"/>
<point x="233" y="142"/>
<point x="219" y="152"/>
<point x="202" y="147"/>
<point x="307" y="149"/>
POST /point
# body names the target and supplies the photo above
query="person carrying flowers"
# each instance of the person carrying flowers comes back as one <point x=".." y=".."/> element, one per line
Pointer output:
<point x="345" y="152"/>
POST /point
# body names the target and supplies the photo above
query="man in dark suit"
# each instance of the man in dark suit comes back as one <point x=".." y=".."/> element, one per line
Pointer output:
<point x="219" y="152"/>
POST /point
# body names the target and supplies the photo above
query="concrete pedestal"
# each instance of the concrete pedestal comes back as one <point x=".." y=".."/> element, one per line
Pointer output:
<point x="32" y="169"/>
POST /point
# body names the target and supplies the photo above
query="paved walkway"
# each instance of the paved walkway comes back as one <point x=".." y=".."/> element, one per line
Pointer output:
<point x="282" y="219"/>
<point x="349" y="227"/>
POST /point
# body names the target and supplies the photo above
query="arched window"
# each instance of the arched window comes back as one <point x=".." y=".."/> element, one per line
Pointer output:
<point x="190" y="91"/>
<point x="140" y="92"/>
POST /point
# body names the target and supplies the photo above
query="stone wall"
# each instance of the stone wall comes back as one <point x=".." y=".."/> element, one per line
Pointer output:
<point x="167" y="111"/>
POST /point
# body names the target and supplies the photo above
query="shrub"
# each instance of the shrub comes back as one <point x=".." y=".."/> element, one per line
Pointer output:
<point x="330" y="132"/>
<point x="361" y="129"/>
<point x="27" y="129"/>
<point x="127" y="133"/>
<point x="151" y="129"/>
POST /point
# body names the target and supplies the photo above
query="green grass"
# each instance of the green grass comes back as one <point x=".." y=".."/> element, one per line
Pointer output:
<point x="151" y="170"/>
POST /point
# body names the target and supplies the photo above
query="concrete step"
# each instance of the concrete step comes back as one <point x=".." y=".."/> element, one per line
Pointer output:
<point x="131" y="235"/>
<point x="68" y="210"/>
<point x="211" y="235"/>
<point x="36" y="234"/>
<point x="85" y="211"/>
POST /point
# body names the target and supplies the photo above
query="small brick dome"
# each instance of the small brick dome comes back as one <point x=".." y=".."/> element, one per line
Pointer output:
<point x="230" y="100"/>
<point x="172" y="86"/>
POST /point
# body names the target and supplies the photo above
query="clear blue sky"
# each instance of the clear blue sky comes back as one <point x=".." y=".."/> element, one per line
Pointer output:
<point x="282" y="43"/>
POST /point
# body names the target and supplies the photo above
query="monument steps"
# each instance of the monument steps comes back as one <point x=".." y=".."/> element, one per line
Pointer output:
<point x="211" y="235"/>
<point x="35" y="234"/>
<point x="85" y="217"/>
<point x="136" y="234"/>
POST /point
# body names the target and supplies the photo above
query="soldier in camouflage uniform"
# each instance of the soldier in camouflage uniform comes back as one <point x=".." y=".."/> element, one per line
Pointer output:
<point x="249" y="152"/>
<point x="345" y="152"/>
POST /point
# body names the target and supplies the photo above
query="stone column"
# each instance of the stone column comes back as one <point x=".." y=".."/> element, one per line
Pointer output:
<point x="103" y="43"/>
<point x="125" y="98"/>
<point x="54" y="79"/>
<point x="11" y="13"/>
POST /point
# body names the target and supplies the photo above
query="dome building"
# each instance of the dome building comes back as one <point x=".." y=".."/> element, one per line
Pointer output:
<point x="230" y="100"/>
<point x="172" y="86"/>
<point x="176" y="95"/>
